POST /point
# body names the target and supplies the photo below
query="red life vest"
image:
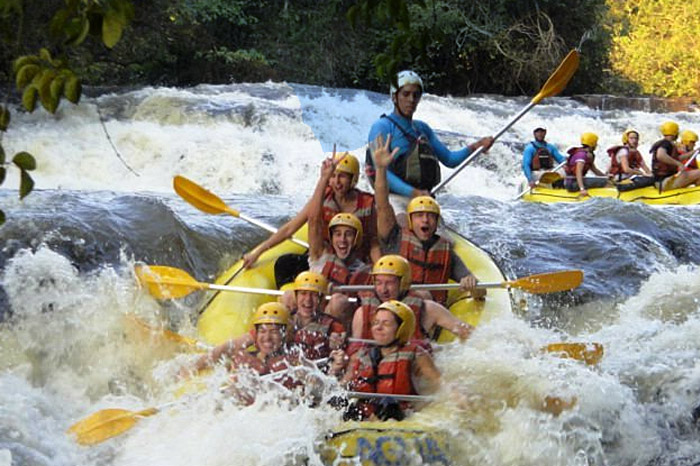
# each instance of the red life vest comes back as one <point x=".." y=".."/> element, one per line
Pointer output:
<point x="369" y="308"/>
<point x="336" y="271"/>
<point x="313" y="337"/>
<point x="274" y="363"/>
<point x="542" y="160"/>
<point x="659" y="168"/>
<point x="431" y="266"/>
<point x="681" y="151"/>
<point x="364" y="211"/>
<point x="570" y="167"/>
<point x="634" y="160"/>
<point x="391" y="375"/>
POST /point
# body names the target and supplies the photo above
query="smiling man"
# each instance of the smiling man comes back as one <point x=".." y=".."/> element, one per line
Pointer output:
<point x="431" y="256"/>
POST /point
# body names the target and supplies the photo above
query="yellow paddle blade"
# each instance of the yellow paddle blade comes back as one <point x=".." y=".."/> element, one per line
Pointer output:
<point x="560" y="78"/>
<point x="590" y="353"/>
<point x="137" y="323"/>
<point x="106" y="424"/>
<point x="549" y="282"/>
<point x="165" y="282"/>
<point x="200" y="198"/>
<point x="549" y="178"/>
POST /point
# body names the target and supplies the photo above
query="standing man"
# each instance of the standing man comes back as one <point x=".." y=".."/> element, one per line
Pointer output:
<point x="539" y="155"/>
<point x="415" y="169"/>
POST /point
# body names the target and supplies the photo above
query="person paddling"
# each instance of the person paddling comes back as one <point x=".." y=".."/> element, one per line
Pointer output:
<point x="415" y="169"/>
<point x="538" y="156"/>
<point x="390" y="367"/>
<point x="686" y="148"/>
<point x="666" y="163"/>
<point x="581" y="160"/>
<point x="431" y="256"/>
<point x="627" y="162"/>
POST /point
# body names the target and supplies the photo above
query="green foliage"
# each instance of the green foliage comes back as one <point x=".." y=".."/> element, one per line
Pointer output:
<point x="655" y="45"/>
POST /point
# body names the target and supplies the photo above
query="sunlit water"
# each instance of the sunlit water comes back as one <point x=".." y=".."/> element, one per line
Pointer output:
<point x="67" y="350"/>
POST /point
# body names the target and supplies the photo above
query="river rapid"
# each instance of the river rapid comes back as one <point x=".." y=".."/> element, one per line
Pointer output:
<point x="103" y="203"/>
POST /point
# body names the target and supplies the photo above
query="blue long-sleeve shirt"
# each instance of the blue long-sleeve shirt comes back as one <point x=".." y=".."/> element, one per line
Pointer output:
<point x="531" y="150"/>
<point x="386" y="127"/>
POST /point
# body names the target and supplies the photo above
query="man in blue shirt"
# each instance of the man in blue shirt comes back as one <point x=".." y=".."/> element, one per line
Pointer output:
<point x="416" y="150"/>
<point x="539" y="155"/>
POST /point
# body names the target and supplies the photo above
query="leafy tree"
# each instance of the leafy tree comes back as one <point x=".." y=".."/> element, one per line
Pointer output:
<point x="655" y="45"/>
<point x="46" y="77"/>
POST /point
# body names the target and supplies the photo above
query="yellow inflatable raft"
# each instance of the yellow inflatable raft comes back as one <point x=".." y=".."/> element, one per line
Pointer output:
<point x="649" y="195"/>
<point x="227" y="315"/>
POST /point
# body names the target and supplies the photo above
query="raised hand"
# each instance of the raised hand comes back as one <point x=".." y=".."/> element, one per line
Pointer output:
<point x="380" y="151"/>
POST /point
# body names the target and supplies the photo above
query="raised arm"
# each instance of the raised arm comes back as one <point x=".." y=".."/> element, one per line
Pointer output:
<point x="316" y="233"/>
<point x="386" y="217"/>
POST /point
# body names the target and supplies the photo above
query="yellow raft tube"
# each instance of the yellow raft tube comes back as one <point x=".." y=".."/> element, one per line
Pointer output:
<point x="648" y="195"/>
<point x="227" y="315"/>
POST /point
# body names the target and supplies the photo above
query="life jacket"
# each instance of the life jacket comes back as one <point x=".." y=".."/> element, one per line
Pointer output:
<point x="364" y="211"/>
<point x="336" y="271"/>
<point x="370" y="305"/>
<point x="634" y="160"/>
<point x="682" y="151"/>
<point x="570" y="167"/>
<point x="419" y="167"/>
<point x="312" y="339"/>
<point x="274" y="363"/>
<point x="661" y="169"/>
<point x="543" y="159"/>
<point x="431" y="266"/>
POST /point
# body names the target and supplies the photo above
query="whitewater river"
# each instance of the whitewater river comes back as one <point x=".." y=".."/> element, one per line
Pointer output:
<point x="66" y="281"/>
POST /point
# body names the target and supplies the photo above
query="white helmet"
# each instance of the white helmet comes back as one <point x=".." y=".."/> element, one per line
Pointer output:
<point x="406" y="77"/>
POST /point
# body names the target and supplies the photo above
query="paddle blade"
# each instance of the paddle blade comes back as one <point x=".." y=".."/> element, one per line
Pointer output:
<point x="590" y="353"/>
<point x="549" y="282"/>
<point x="549" y="178"/>
<point x="144" y="328"/>
<point x="165" y="282"/>
<point x="200" y="198"/>
<point x="560" y="78"/>
<point x="106" y="424"/>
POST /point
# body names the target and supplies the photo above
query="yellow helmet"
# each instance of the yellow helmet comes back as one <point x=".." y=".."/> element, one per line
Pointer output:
<point x="407" y="318"/>
<point x="626" y="135"/>
<point x="669" y="128"/>
<point x="688" y="137"/>
<point x="422" y="204"/>
<point x="395" y="265"/>
<point x="348" y="163"/>
<point x="348" y="220"/>
<point x="311" y="281"/>
<point x="271" y="313"/>
<point x="590" y="140"/>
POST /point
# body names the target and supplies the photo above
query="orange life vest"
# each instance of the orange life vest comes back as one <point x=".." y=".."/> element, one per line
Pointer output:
<point x="273" y="363"/>
<point x="634" y="160"/>
<point x="313" y="337"/>
<point x="336" y="271"/>
<point x="694" y="164"/>
<point x="431" y="266"/>
<point x="364" y="211"/>
<point x="659" y="168"/>
<point x="391" y="374"/>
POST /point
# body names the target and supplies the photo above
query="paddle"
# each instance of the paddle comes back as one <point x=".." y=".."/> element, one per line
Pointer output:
<point x="549" y="282"/>
<point x="109" y="423"/>
<point x="554" y="85"/>
<point x="210" y="203"/>
<point x="590" y="353"/>
<point x="167" y="334"/>
<point x="548" y="177"/>
<point x="165" y="282"/>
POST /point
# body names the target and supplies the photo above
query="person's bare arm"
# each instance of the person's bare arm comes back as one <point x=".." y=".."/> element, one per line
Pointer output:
<point x="283" y="233"/>
<point x="386" y="218"/>
<point x="437" y="314"/>
<point x="316" y="224"/>
<point x="427" y="372"/>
